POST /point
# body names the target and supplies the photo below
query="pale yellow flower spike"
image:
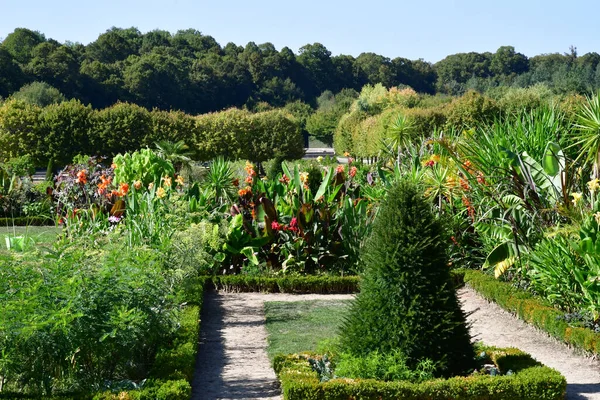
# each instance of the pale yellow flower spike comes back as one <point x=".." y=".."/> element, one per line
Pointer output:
<point x="576" y="198"/>
<point x="593" y="185"/>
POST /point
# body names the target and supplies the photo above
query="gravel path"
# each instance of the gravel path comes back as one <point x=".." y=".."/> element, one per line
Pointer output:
<point x="233" y="363"/>
<point x="232" y="358"/>
<point x="494" y="326"/>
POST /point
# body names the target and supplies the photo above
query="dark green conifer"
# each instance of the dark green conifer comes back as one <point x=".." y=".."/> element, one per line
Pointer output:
<point x="407" y="301"/>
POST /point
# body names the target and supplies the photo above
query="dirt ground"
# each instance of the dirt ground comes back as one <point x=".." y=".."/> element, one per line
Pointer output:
<point x="233" y="364"/>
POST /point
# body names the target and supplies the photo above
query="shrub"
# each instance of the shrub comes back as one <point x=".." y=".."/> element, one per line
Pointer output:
<point x="407" y="301"/>
<point x="120" y="128"/>
<point x="469" y="110"/>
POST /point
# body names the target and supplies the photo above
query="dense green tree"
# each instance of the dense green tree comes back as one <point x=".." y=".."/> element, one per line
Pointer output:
<point x="40" y="94"/>
<point x="11" y="75"/>
<point x="21" y="42"/>
<point x="407" y="301"/>
<point x="115" y="44"/>
<point x="319" y="69"/>
<point x="506" y="61"/>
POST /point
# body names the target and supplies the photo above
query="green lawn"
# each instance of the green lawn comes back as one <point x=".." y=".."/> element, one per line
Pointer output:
<point x="41" y="235"/>
<point x="299" y="326"/>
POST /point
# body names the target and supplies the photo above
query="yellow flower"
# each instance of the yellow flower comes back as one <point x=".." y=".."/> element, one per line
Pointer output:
<point x="160" y="193"/>
<point x="168" y="182"/>
<point x="593" y="185"/>
<point x="435" y="158"/>
<point x="150" y="185"/>
<point x="303" y="177"/>
<point x="597" y="217"/>
<point x="179" y="180"/>
<point x="137" y="185"/>
<point x="576" y="198"/>
<point x="320" y="159"/>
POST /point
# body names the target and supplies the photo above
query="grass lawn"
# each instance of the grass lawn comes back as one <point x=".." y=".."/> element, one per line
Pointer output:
<point x="41" y="235"/>
<point x="299" y="326"/>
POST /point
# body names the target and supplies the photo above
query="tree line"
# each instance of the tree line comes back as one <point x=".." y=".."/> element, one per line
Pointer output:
<point x="191" y="72"/>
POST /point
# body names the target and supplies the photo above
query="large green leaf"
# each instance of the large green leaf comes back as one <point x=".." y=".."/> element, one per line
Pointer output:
<point x="554" y="159"/>
<point x="249" y="253"/>
<point x="325" y="184"/>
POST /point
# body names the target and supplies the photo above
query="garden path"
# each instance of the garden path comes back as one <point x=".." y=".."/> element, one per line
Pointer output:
<point x="233" y="364"/>
<point x="496" y="327"/>
<point x="232" y="358"/>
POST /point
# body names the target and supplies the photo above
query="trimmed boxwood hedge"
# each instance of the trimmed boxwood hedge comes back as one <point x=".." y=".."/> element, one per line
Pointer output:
<point x="287" y="284"/>
<point x="27" y="221"/>
<point x="529" y="380"/>
<point x="172" y="374"/>
<point x="532" y="310"/>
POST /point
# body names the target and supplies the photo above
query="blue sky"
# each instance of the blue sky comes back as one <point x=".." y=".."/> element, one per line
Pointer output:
<point x="412" y="29"/>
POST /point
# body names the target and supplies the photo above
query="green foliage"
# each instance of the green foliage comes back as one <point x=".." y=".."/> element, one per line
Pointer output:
<point x="143" y="165"/>
<point x="195" y="248"/>
<point x="407" y="302"/>
<point x="388" y="367"/>
<point x="40" y="94"/>
<point x="236" y="134"/>
<point x="530" y="381"/>
<point x="469" y="110"/>
<point x="120" y="128"/>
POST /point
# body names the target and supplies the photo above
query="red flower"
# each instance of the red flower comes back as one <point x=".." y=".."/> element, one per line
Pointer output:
<point x="284" y="179"/>
<point x="275" y="226"/>
<point x="352" y="172"/>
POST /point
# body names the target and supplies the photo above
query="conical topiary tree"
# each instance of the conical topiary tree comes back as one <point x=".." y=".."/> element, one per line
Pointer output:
<point x="407" y="302"/>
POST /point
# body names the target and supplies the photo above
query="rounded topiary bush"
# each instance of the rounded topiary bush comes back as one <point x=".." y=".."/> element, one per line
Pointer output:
<point x="407" y="302"/>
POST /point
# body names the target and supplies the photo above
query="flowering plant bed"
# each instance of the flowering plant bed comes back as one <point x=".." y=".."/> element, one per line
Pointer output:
<point x="518" y="377"/>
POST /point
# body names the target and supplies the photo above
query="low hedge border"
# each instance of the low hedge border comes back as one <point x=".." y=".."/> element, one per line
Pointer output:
<point x="529" y="380"/>
<point x="27" y="221"/>
<point x="532" y="310"/>
<point x="296" y="284"/>
<point x="173" y="371"/>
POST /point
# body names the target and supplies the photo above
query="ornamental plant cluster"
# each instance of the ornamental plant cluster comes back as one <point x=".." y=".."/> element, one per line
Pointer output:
<point x="521" y="194"/>
<point x="94" y="312"/>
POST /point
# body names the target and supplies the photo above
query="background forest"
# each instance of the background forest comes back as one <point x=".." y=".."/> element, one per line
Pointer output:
<point x="191" y="72"/>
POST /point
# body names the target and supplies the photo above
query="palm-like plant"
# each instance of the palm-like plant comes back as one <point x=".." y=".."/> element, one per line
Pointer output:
<point x="588" y="136"/>
<point x="400" y="136"/>
<point x="178" y="153"/>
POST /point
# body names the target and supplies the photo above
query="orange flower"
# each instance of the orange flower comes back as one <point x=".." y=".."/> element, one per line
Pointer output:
<point x="352" y="172"/>
<point x="168" y="182"/>
<point x="113" y="166"/>
<point x="179" y="180"/>
<point x="480" y="178"/>
<point x="82" y="177"/>
<point x="245" y="192"/>
<point x="249" y="179"/>
<point x="465" y="185"/>
<point x="160" y="193"/>
<point x="123" y="189"/>
<point x="339" y="169"/>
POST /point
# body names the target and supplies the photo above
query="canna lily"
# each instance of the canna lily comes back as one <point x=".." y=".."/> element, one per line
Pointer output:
<point x="160" y="193"/>
<point x="137" y="185"/>
<point x="123" y="189"/>
<point x="167" y="181"/>
<point x="82" y="177"/>
<point x="179" y="180"/>
<point x="353" y="172"/>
